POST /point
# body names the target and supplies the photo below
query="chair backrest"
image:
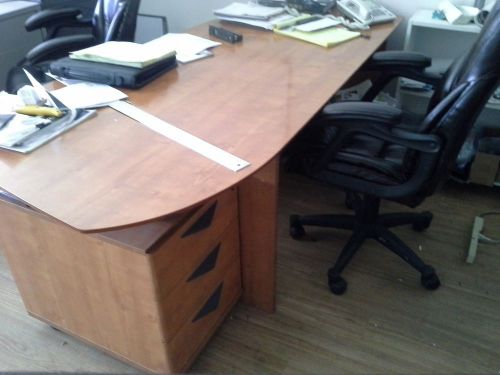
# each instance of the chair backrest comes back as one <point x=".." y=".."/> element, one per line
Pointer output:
<point x="474" y="82"/>
<point x="456" y="70"/>
<point x="115" y="20"/>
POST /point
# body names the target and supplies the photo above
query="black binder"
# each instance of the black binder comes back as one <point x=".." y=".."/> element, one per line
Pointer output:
<point x="111" y="74"/>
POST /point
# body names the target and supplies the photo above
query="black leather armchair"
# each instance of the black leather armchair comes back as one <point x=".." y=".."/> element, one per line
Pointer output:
<point x="387" y="65"/>
<point x="367" y="150"/>
<point x="112" y="20"/>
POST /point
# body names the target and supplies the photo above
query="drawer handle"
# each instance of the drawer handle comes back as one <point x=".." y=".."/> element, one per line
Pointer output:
<point x="211" y="305"/>
<point x="207" y="265"/>
<point x="203" y="222"/>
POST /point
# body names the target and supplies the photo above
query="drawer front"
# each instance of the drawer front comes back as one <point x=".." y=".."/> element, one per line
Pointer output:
<point x="197" y="331"/>
<point x="177" y="257"/>
<point x="183" y="303"/>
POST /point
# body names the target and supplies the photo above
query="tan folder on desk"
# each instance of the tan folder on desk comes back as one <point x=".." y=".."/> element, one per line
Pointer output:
<point x="325" y="38"/>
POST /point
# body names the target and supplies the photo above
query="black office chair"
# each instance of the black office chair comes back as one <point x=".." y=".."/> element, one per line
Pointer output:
<point x="388" y="65"/>
<point x="112" y="20"/>
<point x="366" y="149"/>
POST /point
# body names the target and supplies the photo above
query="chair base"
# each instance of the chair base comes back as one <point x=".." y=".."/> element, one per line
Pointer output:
<point x="368" y="223"/>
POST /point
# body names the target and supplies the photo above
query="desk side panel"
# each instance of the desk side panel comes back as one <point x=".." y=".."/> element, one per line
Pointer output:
<point x="96" y="291"/>
<point x="258" y="213"/>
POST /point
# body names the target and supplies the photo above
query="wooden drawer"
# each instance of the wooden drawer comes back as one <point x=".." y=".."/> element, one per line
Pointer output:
<point x="196" y="332"/>
<point x="183" y="303"/>
<point x="176" y="258"/>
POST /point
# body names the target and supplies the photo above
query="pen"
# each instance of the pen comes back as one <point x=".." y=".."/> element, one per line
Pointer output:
<point x="33" y="110"/>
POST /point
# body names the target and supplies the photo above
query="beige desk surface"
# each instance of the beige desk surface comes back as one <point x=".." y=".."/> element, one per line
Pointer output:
<point x="250" y="99"/>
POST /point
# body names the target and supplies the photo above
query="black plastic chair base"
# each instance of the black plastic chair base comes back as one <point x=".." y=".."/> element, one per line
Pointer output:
<point x="366" y="224"/>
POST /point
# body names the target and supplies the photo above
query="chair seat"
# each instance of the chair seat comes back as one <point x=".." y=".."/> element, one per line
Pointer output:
<point x="383" y="165"/>
<point x="364" y="157"/>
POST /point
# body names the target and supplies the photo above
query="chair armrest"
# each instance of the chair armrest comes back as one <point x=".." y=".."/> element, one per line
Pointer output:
<point x="356" y="112"/>
<point x="391" y="59"/>
<point x="58" y="47"/>
<point x="52" y="17"/>
<point x="425" y="143"/>
<point x="393" y="64"/>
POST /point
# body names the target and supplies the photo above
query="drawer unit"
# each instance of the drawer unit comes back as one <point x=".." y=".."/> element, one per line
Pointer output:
<point x="151" y="295"/>
<point x="185" y="300"/>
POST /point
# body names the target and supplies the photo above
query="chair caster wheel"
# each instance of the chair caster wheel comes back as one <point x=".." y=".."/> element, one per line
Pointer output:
<point x="297" y="231"/>
<point x="337" y="284"/>
<point x="423" y="224"/>
<point x="429" y="279"/>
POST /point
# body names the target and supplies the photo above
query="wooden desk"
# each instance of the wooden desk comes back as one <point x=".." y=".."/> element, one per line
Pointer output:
<point x="251" y="99"/>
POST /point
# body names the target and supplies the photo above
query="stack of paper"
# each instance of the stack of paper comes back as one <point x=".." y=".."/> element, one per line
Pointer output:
<point x="249" y="10"/>
<point x="187" y="47"/>
<point x="253" y="14"/>
<point x="123" y="53"/>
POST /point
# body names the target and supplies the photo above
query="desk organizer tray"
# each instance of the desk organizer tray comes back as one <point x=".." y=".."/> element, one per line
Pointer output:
<point x="38" y="138"/>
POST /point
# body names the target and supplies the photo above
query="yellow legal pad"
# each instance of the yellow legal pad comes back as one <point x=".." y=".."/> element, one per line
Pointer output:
<point x="325" y="38"/>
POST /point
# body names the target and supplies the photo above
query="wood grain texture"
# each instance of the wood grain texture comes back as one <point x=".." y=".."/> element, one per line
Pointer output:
<point x="135" y="304"/>
<point x="95" y="290"/>
<point x="250" y="100"/>
<point x="258" y="213"/>
<point x="385" y="324"/>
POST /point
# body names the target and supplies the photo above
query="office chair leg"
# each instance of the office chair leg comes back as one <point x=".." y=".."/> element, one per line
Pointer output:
<point x="428" y="279"/>
<point x="419" y="221"/>
<point x="368" y="223"/>
<point x="330" y="221"/>
<point x="336" y="283"/>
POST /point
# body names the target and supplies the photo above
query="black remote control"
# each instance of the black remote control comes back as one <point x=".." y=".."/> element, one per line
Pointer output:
<point x="224" y="34"/>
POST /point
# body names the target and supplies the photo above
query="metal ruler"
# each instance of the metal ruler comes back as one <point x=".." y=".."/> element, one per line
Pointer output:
<point x="180" y="136"/>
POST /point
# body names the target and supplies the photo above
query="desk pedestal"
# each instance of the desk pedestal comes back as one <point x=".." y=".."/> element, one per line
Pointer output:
<point x="151" y="295"/>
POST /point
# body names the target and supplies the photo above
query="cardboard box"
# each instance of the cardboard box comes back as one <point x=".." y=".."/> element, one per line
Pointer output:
<point x="485" y="169"/>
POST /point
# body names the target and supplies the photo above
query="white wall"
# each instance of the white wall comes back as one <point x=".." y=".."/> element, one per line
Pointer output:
<point x="183" y="14"/>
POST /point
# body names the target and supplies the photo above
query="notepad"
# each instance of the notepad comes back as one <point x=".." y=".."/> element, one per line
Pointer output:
<point x="123" y="53"/>
<point x="325" y="38"/>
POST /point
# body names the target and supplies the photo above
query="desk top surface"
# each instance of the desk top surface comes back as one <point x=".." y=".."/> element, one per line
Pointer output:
<point x="250" y="99"/>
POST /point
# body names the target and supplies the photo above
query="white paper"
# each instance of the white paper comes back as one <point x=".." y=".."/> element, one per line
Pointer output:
<point x="88" y="95"/>
<point x="264" y="24"/>
<point x="187" y="47"/>
<point x="18" y="128"/>
<point x="41" y="91"/>
<point x="9" y="103"/>
<point x="188" y="58"/>
<point x="182" y="137"/>
<point x="249" y="10"/>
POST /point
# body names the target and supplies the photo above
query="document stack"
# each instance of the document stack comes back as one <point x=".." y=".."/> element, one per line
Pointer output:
<point x="121" y="64"/>
<point x="253" y="14"/>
